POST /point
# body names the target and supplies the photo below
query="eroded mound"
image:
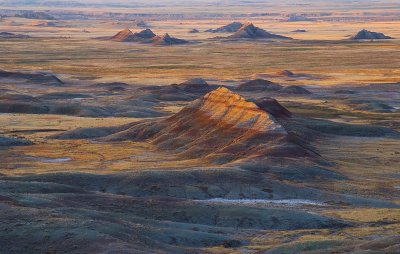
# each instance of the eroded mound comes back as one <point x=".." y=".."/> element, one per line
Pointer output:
<point x="194" y="85"/>
<point x="127" y="35"/>
<point x="259" y="85"/>
<point x="221" y="126"/>
<point x="249" y="31"/>
<point x="166" y="39"/>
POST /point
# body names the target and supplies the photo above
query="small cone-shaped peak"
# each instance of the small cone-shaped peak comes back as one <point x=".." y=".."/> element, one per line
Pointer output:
<point x="147" y="33"/>
<point x="122" y="35"/>
<point x="250" y="31"/>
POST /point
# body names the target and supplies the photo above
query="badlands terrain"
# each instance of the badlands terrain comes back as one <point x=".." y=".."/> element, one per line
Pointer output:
<point x="238" y="127"/>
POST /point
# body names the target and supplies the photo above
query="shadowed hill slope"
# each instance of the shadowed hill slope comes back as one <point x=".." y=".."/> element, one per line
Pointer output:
<point x="259" y="85"/>
<point x="7" y="35"/>
<point x="230" y="28"/>
<point x="32" y="77"/>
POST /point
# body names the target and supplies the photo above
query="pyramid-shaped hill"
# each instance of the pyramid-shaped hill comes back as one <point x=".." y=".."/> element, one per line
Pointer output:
<point x="127" y="35"/>
<point x="249" y="31"/>
<point x="368" y="35"/>
<point x="230" y="28"/>
<point x="122" y="36"/>
<point x="221" y="126"/>
<point x="146" y="34"/>
<point x="166" y="39"/>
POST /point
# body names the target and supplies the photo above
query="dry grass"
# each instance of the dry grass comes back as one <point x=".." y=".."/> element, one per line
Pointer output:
<point x="78" y="56"/>
<point x="367" y="215"/>
<point x="83" y="156"/>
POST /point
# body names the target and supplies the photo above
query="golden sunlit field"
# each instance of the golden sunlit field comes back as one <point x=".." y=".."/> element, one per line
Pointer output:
<point x="331" y="59"/>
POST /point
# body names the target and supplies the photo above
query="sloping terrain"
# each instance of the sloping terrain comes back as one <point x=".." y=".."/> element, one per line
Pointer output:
<point x="259" y="85"/>
<point x="32" y="77"/>
<point x="45" y="93"/>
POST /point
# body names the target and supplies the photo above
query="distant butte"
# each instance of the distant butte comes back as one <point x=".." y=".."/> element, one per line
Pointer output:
<point x="146" y="36"/>
<point x="230" y="28"/>
<point x="368" y="35"/>
<point x="166" y="39"/>
<point x="249" y="31"/>
<point x="194" y="85"/>
<point x="259" y="85"/>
